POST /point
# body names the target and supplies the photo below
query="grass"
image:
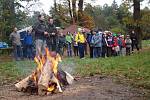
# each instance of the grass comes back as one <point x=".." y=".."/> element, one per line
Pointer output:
<point x="134" y="69"/>
<point x="12" y="71"/>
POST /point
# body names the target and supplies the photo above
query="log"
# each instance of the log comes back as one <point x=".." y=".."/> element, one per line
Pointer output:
<point x="44" y="78"/>
<point x="22" y="84"/>
<point x="69" y="78"/>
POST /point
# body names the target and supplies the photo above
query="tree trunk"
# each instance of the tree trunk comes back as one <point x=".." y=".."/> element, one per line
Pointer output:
<point x="137" y="18"/>
<point x="80" y="4"/>
<point x="74" y="11"/>
<point x="70" y="11"/>
<point x="55" y="5"/>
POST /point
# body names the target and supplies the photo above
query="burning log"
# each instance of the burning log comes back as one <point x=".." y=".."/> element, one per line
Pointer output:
<point x="47" y="78"/>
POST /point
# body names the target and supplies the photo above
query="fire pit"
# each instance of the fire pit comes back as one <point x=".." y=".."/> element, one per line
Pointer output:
<point x="47" y="77"/>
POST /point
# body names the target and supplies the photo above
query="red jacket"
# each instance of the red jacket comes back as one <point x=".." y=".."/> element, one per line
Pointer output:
<point x="115" y="42"/>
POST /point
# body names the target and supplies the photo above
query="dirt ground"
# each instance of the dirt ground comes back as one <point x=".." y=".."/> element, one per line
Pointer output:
<point x="87" y="88"/>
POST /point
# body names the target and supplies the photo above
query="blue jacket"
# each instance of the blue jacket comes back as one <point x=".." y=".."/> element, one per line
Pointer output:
<point x="89" y="38"/>
<point x="97" y="40"/>
<point x="28" y="39"/>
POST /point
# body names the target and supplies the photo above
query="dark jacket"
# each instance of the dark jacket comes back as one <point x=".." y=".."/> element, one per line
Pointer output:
<point x="133" y="37"/>
<point x="104" y="40"/>
<point x="110" y="41"/>
<point x="61" y="41"/>
<point x="51" y="39"/>
<point x="40" y="28"/>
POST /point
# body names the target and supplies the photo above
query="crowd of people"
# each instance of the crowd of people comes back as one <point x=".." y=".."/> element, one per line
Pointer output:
<point x="97" y="42"/>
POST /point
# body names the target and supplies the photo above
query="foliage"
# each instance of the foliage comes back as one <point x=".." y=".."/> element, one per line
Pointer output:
<point x="118" y="30"/>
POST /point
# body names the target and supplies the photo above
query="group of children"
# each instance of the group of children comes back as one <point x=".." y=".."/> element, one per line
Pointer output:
<point x="100" y="44"/>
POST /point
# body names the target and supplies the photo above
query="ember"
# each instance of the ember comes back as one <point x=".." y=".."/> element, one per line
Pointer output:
<point x="47" y="78"/>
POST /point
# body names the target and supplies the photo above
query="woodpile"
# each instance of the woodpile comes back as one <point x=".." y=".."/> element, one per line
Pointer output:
<point x="47" y="78"/>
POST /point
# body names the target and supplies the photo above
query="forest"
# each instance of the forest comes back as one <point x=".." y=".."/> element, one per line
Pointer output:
<point x="117" y="18"/>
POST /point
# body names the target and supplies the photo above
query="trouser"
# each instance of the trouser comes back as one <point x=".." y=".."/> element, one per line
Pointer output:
<point x="136" y="45"/>
<point x="91" y="51"/>
<point x="109" y="51"/>
<point x="69" y="49"/>
<point x="40" y="47"/>
<point x="81" y="49"/>
<point x="52" y="47"/>
<point x="29" y="51"/>
<point x="104" y="51"/>
<point x="17" y="51"/>
<point x="60" y="50"/>
<point x="75" y="50"/>
<point x="128" y="50"/>
<point x="120" y="52"/>
<point x="97" y="52"/>
<point x="86" y="49"/>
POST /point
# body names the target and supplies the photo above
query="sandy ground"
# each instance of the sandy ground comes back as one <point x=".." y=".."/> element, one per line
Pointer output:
<point x="87" y="88"/>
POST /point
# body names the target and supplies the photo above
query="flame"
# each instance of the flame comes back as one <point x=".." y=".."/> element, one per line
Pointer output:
<point x="51" y="88"/>
<point x="41" y="60"/>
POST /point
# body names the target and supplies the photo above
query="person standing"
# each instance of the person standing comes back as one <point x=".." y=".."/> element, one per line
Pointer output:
<point x="97" y="44"/>
<point x="29" y="44"/>
<point x="75" y="46"/>
<point x="80" y="39"/>
<point x="52" y="35"/>
<point x="128" y="43"/>
<point x="110" y="44"/>
<point x="121" y="43"/>
<point x="69" y="40"/>
<point x="40" y="35"/>
<point x="104" y="45"/>
<point x="16" y="43"/>
<point x="89" y="38"/>
<point x="61" y="44"/>
<point x="134" y="39"/>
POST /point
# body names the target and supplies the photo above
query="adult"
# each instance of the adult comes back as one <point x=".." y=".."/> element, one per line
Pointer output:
<point x="29" y="44"/>
<point x="16" y="43"/>
<point x="52" y="35"/>
<point x="89" y="38"/>
<point x="97" y="44"/>
<point x="40" y="35"/>
<point x="80" y="39"/>
<point x="134" y="40"/>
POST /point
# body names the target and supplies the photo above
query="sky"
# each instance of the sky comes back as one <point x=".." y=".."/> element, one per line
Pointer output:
<point x="46" y="4"/>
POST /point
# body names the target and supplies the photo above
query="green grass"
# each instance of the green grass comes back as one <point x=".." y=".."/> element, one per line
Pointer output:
<point x="12" y="71"/>
<point x="146" y="43"/>
<point x="135" y="68"/>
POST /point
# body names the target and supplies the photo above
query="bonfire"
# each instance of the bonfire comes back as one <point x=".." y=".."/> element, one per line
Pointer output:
<point x="47" y="77"/>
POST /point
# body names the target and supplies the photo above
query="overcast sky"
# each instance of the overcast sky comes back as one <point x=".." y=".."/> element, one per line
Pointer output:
<point x="46" y="4"/>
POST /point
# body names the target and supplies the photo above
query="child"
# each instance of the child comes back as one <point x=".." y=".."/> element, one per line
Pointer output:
<point x="128" y="43"/>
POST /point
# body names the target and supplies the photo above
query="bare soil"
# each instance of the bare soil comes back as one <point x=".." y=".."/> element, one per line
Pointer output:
<point x="85" y="88"/>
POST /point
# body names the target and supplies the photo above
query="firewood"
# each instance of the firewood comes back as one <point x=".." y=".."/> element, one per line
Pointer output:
<point x="44" y="78"/>
<point x="22" y="84"/>
<point x="69" y="78"/>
